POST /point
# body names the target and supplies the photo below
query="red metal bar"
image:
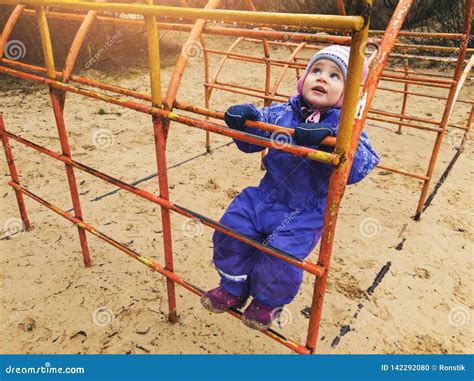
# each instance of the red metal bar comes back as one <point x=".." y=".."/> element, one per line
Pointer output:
<point x="407" y="117"/>
<point x="339" y="176"/>
<point x="397" y="122"/>
<point x="423" y="95"/>
<point x="57" y="102"/>
<point x="161" y="201"/>
<point x="160" y="149"/>
<point x="405" y="173"/>
<point x="329" y="141"/>
<point x="448" y="107"/>
<point x="468" y="127"/>
<point x="309" y="153"/>
<point x="76" y="44"/>
<point x="418" y="79"/>
<point x="405" y="95"/>
<point x="14" y="174"/>
<point x="418" y="83"/>
<point x="174" y="278"/>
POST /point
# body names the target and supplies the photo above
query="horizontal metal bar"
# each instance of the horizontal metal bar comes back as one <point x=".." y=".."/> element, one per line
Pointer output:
<point x="419" y="79"/>
<point x="208" y="29"/>
<point x="256" y="95"/>
<point x="321" y="156"/>
<point x="354" y="23"/>
<point x="409" y="174"/>
<point x="329" y="141"/>
<point x="416" y="83"/>
<point x="424" y="58"/>
<point x="398" y="122"/>
<point x="406" y="33"/>
<point x="422" y="95"/>
<point x="404" y="116"/>
<point x="293" y="345"/>
<point x="313" y="268"/>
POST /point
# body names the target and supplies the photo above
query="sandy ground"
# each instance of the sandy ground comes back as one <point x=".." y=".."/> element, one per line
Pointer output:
<point x="50" y="303"/>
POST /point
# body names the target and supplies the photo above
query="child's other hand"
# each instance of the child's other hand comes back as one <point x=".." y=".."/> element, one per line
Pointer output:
<point x="311" y="134"/>
<point x="236" y="116"/>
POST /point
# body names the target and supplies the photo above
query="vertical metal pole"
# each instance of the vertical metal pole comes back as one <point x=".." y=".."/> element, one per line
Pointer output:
<point x="339" y="175"/>
<point x="448" y="107"/>
<point x="14" y="175"/>
<point x="57" y="100"/>
<point x="159" y="124"/>
<point x="468" y="128"/>
<point x="405" y="94"/>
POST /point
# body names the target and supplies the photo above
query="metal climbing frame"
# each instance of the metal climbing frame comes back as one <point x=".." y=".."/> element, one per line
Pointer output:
<point x="298" y="43"/>
<point x="162" y="110"/>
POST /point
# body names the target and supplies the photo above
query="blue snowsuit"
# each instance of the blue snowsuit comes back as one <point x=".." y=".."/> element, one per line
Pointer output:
<point x="285" y="211"/>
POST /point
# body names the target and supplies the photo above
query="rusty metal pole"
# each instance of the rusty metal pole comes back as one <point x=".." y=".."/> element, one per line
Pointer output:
<point x="7" y="29"/>
<point x="57" y="101"/>
<point x="468" y="128"/>
<point x="405" y="95"/>
<point x="339" y="175"/>
<point x="448" y="107"/>
<point x="14" y="174"/>
<point x="160" y="150"/>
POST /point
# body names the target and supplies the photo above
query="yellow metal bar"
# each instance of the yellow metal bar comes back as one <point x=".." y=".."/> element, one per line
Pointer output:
<point x="153" y="58"/>
<point x="351" y="94"/>
<point x="46" y="43"/>
<point x="296" y="19"/>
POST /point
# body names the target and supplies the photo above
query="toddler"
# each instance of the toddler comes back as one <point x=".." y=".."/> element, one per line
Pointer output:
<point x="286" y="210"/>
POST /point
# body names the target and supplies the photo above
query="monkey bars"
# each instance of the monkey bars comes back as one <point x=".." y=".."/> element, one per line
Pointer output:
<point x="162" y="111"/>
<point x="301" y="42"/>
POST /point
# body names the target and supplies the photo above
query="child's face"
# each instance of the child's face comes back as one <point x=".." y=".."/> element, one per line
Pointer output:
<point x="323" y="85"/>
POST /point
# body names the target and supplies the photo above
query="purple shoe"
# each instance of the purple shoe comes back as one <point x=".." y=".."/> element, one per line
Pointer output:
<point x="259" y="316"/>
<point x="219" y="300"/>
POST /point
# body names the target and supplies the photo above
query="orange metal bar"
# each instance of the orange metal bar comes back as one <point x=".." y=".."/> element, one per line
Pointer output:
<point x="468" y="128"/>
<point x="165" y="203"/>
<point x="57" y="101"/>
<point x="416" y="176"/>
<point x="339" y="175"/>
<point x="174" y="278"/>
<point x="14" y="175"/>
<point x="423" y="95"/>
<point x="405" y="95"/>
<point x="449" y="104"/>
<point x="407" y="117"/>
<point x="397" y="122"/>
<point x="76" y="45"/>
<point x="10" y="24"/>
